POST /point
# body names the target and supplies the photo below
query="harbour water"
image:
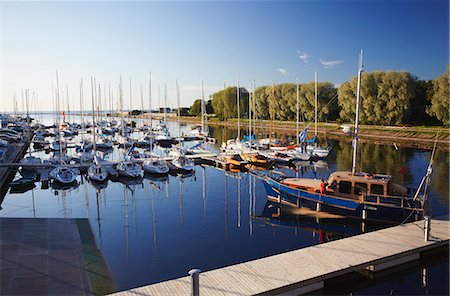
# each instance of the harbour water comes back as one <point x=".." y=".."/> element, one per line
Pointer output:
<point x="156" y="229"/>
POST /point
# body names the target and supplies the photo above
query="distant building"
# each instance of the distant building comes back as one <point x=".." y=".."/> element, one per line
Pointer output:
<point x="168" y="110"/>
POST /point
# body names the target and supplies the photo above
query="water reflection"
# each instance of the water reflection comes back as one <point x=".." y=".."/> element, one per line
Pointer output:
<point x="158" y="227"/>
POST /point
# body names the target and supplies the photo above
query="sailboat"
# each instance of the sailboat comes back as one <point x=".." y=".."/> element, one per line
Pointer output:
<point x="314" y="150"/>
<point x="350" y="193"/>
<point x="84" y="149"/>
<point x="96" y="171"/>
<point x="154" y="165"/>
<point x="127" y="168"/>
<point x="181" y="162"/>
<point x="200" y="131"/>
<point x="62" y="173"/>
<point x="235" y="146"/>
<point x="298" y="153"/>
<point x="163" y="137"/>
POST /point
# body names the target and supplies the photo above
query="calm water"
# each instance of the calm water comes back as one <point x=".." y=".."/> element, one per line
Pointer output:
<point x="158" y="229"/>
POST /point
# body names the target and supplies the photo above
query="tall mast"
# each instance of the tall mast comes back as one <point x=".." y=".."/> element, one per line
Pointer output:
<point x="358" y="90"/>
<point x="298" y="110"/>
<point x="131" y="104"/>
<point x="178" y="109"/>
<point x="238" y="109"/>
<point x="150" y="97"/>
<point x="150" y="110"/>
<point x="59" y="123"/>
<point x="165" y="102"/>
<point x="315" y="104"/>
<point x="203" y="108"/>
<point x="82" y="107"/>
<point x="93" y="113"/>
<point x="68" y="105"/>
<point x="250" y="111"/>
<point x="142" y="106"/>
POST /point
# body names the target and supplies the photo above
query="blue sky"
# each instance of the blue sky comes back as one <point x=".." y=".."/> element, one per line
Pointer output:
<point x="265" y="41"/>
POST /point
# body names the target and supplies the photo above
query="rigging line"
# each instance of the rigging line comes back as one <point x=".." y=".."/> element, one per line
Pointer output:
<point x="321" y="111"/>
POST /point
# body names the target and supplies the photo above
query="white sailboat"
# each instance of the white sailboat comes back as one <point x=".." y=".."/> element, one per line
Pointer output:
<point x="96" y="171"/>
<point x="62" y="173"/>
<point x="127" y="168"/>
<point x="153" y="166"/>
<point x="315" y="150"/>
<point x="181" y="162"/>
<point x="201" y="131"/>
<point x="235" y="146"/>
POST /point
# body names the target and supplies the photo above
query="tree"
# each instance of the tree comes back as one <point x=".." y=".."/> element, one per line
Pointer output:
<point x="196" y="108"/>
<point x="421" y="102"/>
<point x="440" y="98"/>
<point x="385" y="97"/>
<point x="224" y="102"/>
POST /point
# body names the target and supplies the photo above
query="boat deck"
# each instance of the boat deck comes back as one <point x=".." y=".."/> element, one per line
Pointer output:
<point x="305" y="270"/>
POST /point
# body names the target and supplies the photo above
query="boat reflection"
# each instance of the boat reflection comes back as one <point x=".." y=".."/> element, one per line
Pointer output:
<point x="128" y="181"/>
<point x="329" y="227"/>
<point x="58" y="187"/>
<point x="156" y="178"/>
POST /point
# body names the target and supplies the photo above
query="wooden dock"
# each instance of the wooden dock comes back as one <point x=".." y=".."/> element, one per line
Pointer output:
<point x="305" y="270"/>
<point x="14" y="154"/>
<point x="51" y="257"/>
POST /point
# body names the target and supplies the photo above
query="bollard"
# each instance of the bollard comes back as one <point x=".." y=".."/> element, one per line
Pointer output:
<point x="427" y="227"/>
<point x="195" y="275"/>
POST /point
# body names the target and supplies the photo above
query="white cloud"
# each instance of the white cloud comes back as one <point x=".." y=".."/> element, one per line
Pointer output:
<point x="330" y="64"/>
<point x="303" y="56"/>
<point x="283" y="71"/>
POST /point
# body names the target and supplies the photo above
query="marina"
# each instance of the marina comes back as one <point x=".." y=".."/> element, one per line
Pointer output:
<point x="215" y="195"/>
<point x="224" y="148"/>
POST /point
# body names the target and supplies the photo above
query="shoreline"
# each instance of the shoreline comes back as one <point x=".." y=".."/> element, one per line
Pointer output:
<point x="420" y="137"/>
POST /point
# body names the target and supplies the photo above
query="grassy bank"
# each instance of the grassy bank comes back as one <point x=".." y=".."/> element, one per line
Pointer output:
<point x="402" y="136"/>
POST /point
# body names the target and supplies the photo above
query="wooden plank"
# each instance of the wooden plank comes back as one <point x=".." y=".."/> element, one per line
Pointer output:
<point x="304" y="269"/>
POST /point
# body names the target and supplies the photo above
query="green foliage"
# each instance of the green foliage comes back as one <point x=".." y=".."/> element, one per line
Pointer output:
<point x="196" y="108"/>
<point x="224" y="102"/>
<point x="421" y="102"/>
<point x="385" y="97"/>
<point x="280" y="101"/>
<point x="440" y="98"/>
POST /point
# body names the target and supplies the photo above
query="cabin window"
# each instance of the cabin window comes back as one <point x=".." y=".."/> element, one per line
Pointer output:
<point x="377" y="189"/>
<point x="360" y="188"/>
<point x="345" y="187"/>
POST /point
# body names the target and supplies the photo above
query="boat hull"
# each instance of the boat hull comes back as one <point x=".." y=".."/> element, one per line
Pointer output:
<point x="339" y="206"/>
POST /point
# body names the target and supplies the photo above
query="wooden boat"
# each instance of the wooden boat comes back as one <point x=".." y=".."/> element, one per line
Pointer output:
<point x="234" y="161"/>
<point x="359" y="195"/>
<point x="256" y="159"/>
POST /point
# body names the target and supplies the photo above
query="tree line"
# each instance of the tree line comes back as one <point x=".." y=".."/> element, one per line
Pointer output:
<point x="387" y="98"/>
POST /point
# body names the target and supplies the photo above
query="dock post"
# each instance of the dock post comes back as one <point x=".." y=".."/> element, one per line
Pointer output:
<point x="195" y="275"/>
<point x="427" y="227"/>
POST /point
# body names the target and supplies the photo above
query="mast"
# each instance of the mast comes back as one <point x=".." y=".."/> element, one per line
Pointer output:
<point x="238" y="109"/>
<point x="250" y="112"/>
<point x="203" y="108"/>
<point x="82" y="107"/>
<point x="298" y="110"/>
<point x="358" y="90"/>
<point x="149" y="129"/>
<point x="165" y="102"/>
<point x="142" y="106"/>
<point x="178" y="109"/>
<point x="59" y="123"/>
<point x="93" y="114"/>
<point x="315" y="106"/>
<point x="68" y="105"/>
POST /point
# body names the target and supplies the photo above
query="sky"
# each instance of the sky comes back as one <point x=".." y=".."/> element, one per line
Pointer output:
<point x="214" y="41"/>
